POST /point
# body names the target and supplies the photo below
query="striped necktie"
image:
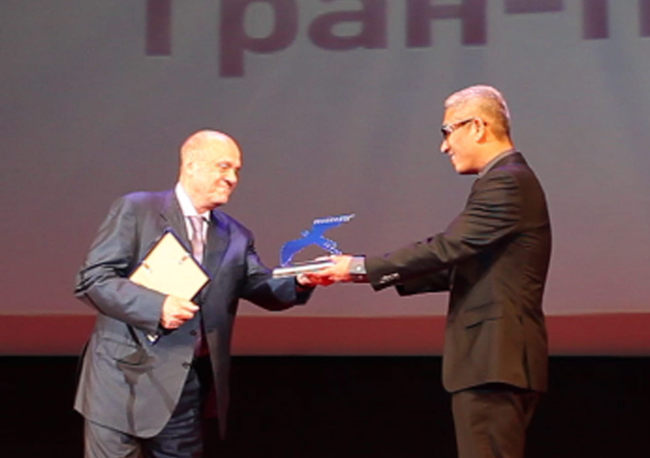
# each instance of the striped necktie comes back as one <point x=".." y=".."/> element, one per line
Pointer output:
<point x="198" y="243"/>
<point x="197" y="237"/>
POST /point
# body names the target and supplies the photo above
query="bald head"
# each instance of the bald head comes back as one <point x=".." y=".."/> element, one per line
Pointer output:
<point x="199" y="143"/>
<point x="209" y="168"/>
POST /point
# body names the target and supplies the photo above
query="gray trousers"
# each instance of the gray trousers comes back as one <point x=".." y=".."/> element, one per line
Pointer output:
<point x="180" y="438"/>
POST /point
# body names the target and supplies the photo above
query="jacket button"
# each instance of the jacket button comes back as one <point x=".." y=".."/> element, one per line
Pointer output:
<point x="186" y="365"/>
<point x="193" y="332"/>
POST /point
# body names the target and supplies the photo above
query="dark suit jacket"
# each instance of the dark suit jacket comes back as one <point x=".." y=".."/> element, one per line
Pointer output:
<point x="126" y="382"/>
<point x="493" y="258"/>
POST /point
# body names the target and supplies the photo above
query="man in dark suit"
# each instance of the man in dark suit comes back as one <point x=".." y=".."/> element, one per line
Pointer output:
<point x="153" y="361"/>
<point x="493" y="258"/>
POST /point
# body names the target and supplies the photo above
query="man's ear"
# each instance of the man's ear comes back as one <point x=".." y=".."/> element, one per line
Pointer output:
<point x="480" y="130"/>
<point x="189" y="167"/>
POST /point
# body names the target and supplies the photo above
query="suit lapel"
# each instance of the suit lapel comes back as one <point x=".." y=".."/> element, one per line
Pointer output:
<point x="173" y="217"/>
<point x="217" y="240"/>
<point x="217" y="233"/>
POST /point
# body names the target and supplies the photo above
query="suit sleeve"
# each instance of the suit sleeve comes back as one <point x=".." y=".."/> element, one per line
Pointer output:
<point x="265" y="291"/>
<point x="492" y="213"/>
<point x="103" y="280"/>
<point x="431" y="283"/>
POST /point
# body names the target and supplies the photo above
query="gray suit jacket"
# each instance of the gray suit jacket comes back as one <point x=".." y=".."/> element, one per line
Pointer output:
<point x="126" y="382"/>
<point x="493" y="258"/>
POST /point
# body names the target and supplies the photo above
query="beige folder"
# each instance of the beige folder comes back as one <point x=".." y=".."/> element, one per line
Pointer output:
<point x="168" y="268"/>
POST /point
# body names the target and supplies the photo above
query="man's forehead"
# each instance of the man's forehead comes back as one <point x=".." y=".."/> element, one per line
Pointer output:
<point x="222" y="148"/>
<point x="451" y="115"/>
<point x="458" y="112"/>
<point x="231" y="156"/>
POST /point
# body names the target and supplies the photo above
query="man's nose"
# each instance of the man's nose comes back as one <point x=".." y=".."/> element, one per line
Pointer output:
<point x="444" y="146"/>
<point x="231" y="176"/>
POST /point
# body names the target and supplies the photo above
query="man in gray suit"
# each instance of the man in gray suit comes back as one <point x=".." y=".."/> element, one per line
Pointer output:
<point x="154" y="362"/>
<point x="493" y="259"/>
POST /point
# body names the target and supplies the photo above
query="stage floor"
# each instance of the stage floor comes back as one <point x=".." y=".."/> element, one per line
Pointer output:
<point x="326" y="407"/>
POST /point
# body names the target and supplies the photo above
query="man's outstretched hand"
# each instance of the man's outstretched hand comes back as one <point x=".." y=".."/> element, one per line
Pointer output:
<point x="339" y="272"/>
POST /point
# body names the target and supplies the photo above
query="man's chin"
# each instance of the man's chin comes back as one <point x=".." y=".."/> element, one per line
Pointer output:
<point x="218" y="201"/>
<point x="221" y="200"/>
<point x="462" y="170"/>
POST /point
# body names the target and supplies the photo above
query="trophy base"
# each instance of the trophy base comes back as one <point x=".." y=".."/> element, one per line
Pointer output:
<point x="301" y="268"/>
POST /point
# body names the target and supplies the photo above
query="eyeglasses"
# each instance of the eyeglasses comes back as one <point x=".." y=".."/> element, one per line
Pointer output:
<point x="447" y="129"/>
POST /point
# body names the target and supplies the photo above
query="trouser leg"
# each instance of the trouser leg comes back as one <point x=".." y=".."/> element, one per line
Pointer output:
<point x="103" y="442"/>
<point x="491" y="420"/>
<point x="181" y="437"/>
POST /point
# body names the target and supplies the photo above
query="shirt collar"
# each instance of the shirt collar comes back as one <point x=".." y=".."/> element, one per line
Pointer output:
<point x="494" y="160"/>
<point x="186" y="203"/>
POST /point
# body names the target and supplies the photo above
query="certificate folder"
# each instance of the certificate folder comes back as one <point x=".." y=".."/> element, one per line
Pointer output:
<point x="168" y="268"/>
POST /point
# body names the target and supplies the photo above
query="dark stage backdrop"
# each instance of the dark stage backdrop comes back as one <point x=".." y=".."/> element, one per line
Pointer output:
<point x="337" y="106"/>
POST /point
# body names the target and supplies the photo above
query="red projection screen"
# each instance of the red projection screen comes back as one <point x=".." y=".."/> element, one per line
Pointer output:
<point x="337" y="106"/>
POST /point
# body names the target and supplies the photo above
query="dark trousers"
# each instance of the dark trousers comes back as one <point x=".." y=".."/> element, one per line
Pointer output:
<point x="491" y="420"/>
<point x="180" y="438"/>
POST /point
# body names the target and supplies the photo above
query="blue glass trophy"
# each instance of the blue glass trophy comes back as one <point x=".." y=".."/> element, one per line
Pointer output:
<point x="313" y="236"/>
